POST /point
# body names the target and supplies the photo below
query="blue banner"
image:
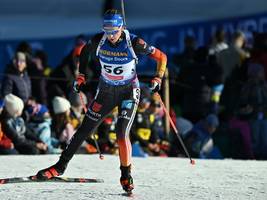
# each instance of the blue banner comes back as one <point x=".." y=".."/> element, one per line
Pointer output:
<point x="168" y="38"/>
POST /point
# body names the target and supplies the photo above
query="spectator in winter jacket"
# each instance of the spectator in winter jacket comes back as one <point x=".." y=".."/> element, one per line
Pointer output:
<point x="158" y="127"/>
<point x="36" y="67"/>
<point x="203" y="86"/>
<point x="15" y="129"/>
<point x="234" y="56"/>
<point x="199" y="139"/>
<point x="39" y="123"/>
<point x="6" y="145"/>
<point x="142" y="129"/>
<point x="61" y="121"/>
<point x="219" y="43"/>
<point x="16" y="79"/>
<point x="253" y="96"/>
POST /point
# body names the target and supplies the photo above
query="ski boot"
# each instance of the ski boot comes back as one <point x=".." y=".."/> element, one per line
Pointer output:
<point x="126" y="179"/>
<point x="53" y="171"/>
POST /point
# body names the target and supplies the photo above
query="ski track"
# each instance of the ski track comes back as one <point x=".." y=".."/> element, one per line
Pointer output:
<point x="154" y="178"/>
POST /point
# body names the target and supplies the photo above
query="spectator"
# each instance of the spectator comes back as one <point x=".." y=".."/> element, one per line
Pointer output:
<point x="16" y="80"/>
<point x="201" y="80"/>
<point x="259" y="51"/>
<point x="186" y="58"/>
<point x="234" y="56"/>
<point x="15" y="129"/>
<point x="158" y="127"/>
<point x="142" y="129"/>
<point x="6" y="145"/>
<point x="39" y="73"/>
<point x="254" y="96"/>
<point x="38" y="84"/>
<point x="61" y="120"/>
<point x="40" y="124"/>
<point x="219" y="43"/>
<point x="184" y="127"/>
<point x="199" y="140"/>
<point x="239" y="124"/>
<point x="181" y="61"/>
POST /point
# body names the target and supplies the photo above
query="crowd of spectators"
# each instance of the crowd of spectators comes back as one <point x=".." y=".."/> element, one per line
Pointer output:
<point x="218" y="103"/>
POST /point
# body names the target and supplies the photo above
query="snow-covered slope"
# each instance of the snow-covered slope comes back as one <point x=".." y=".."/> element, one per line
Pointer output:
<point x="155" y="178"/>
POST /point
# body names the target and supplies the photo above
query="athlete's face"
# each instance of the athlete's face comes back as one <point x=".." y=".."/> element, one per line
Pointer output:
<point x="114" y="37"/>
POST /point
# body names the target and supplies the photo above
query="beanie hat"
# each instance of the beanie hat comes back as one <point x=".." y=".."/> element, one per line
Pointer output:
<point x="20" y="56"/>
<point x="13" y="104"/>
<point x="60" y="105"/>
<point x="212" y="120"/>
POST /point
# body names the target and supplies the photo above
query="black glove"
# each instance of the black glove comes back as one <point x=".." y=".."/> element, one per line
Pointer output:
<point x="80" y="80"/>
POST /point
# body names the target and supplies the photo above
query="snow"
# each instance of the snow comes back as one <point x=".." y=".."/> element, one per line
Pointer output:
<point x="154" y="178"/>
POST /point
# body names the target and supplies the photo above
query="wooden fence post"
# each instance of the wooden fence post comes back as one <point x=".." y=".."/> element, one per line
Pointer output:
<point x="166" y="99"/>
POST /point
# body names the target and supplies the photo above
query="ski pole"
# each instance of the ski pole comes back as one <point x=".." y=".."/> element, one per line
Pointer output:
<point x="123" y="12"/>
<point x="175" y="129"/>
<point x="96" y="144"/>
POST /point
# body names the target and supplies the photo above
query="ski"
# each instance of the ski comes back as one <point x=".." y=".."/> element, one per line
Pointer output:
<point x="30" y="179"/>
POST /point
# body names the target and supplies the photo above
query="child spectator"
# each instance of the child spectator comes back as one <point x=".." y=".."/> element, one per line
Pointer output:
<point x="40" y="124"/>
<point x="61" y="120"/>
<point x="14" y="127"/>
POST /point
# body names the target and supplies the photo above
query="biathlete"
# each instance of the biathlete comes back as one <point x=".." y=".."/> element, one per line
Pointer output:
<point x="116" y="50"/>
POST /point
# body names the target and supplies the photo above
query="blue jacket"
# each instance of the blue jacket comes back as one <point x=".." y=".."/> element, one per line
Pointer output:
<point x="201" y="135"/>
